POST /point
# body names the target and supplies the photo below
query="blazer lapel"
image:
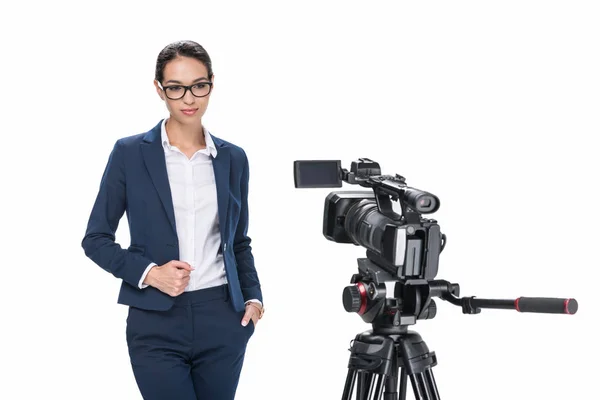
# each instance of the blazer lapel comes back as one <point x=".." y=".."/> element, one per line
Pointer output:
<point x="221" y="166"/>
<point x="154" y="158"/>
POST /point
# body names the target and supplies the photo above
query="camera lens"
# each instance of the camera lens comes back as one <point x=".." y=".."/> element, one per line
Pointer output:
<point x="365" y="225"/>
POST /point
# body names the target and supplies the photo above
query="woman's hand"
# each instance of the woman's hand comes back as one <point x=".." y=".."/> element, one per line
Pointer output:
<point x="253" y="312"/>
<point x="171" y="278"/>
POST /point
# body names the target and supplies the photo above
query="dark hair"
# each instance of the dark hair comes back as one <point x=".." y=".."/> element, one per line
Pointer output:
<point x="182" y="48"/>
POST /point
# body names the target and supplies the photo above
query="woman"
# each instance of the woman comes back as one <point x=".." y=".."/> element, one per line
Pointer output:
<point x="188" y="276"/>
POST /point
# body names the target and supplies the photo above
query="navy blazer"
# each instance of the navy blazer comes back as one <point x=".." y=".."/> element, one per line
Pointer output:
<point x="135" y="181"/>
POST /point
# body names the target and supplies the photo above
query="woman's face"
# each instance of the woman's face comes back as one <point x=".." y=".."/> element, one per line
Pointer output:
<point x="184" y="71"/>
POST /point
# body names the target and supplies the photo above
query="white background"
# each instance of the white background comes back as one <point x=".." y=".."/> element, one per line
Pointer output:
<point x="492" y="106"/>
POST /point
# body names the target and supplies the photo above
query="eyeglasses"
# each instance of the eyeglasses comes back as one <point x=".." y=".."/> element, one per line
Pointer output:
<point x="176" y="92"/>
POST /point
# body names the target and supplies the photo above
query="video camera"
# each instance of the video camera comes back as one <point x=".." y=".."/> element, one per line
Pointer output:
<point x="401" y="247"/>
<point x="404" y="245"/>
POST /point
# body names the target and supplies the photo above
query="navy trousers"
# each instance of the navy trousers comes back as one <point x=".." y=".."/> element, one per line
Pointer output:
<point x="194" y="351"/>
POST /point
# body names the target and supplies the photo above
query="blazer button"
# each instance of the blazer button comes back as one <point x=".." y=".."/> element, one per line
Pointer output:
<point x="224" y="247"/>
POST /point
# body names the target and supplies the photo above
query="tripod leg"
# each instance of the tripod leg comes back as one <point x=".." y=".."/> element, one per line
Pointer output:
<point x="418" y="361"/>
<point x="349" y="386"/>
<point x="391" y="387"/>
<point x="371" y="361"/>
<point x="402" y="384"/>
<point x="365" y="385"/>
<point x="360" y="386"/>
<point x="369" y="383"/>
<point x="391" y="380"/>
<point x="379" y="387"/>
<point x="373" y="387"/>
<point x="433" y="390"/>
<point x="419" y="386"/>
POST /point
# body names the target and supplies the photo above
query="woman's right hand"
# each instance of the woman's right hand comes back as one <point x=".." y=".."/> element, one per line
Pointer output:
<point x="170" y="278"/>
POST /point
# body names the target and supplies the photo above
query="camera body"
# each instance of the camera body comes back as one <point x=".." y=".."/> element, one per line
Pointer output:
<point x="407" y="245"/>
<point x="404" y="250"/>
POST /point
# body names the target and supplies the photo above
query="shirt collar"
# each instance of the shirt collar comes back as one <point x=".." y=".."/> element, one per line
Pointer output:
<point x="210" y="144"/>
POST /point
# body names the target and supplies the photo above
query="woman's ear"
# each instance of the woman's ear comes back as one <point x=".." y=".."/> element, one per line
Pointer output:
<point x="159" y="90"/>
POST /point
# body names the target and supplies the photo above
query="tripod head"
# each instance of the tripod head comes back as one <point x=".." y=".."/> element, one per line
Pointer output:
<point x="368" y="297"/>
<point x="413" y="300"/>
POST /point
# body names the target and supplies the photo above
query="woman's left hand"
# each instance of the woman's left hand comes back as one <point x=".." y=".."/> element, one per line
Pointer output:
<point x="253" y="312"/>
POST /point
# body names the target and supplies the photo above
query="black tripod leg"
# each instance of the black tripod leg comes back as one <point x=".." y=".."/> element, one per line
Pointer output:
<point x="391" y="387"/>
<point x="360" y="386"/>
<point x="349" y="386"/>
<point x="419" y="386"/>
<point x="371" y="367"/>
<point x="424" y="386"/>
<point x="379" y="387"/>
<point x="418" y="361"/>
<point x="402" y="384"/>
<point x="368" y="388"/>
<point x="365" y="385"/>
<point x="433" y="390"/>
<point x="372" y="387"/>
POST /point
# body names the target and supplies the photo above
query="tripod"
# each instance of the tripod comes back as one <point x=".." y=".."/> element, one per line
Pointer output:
<point x="382" y="363"/>
<point x="382" y="359"/>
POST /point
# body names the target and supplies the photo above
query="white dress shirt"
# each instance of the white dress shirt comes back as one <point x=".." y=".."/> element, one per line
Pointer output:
<point x="194" y="195"/>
